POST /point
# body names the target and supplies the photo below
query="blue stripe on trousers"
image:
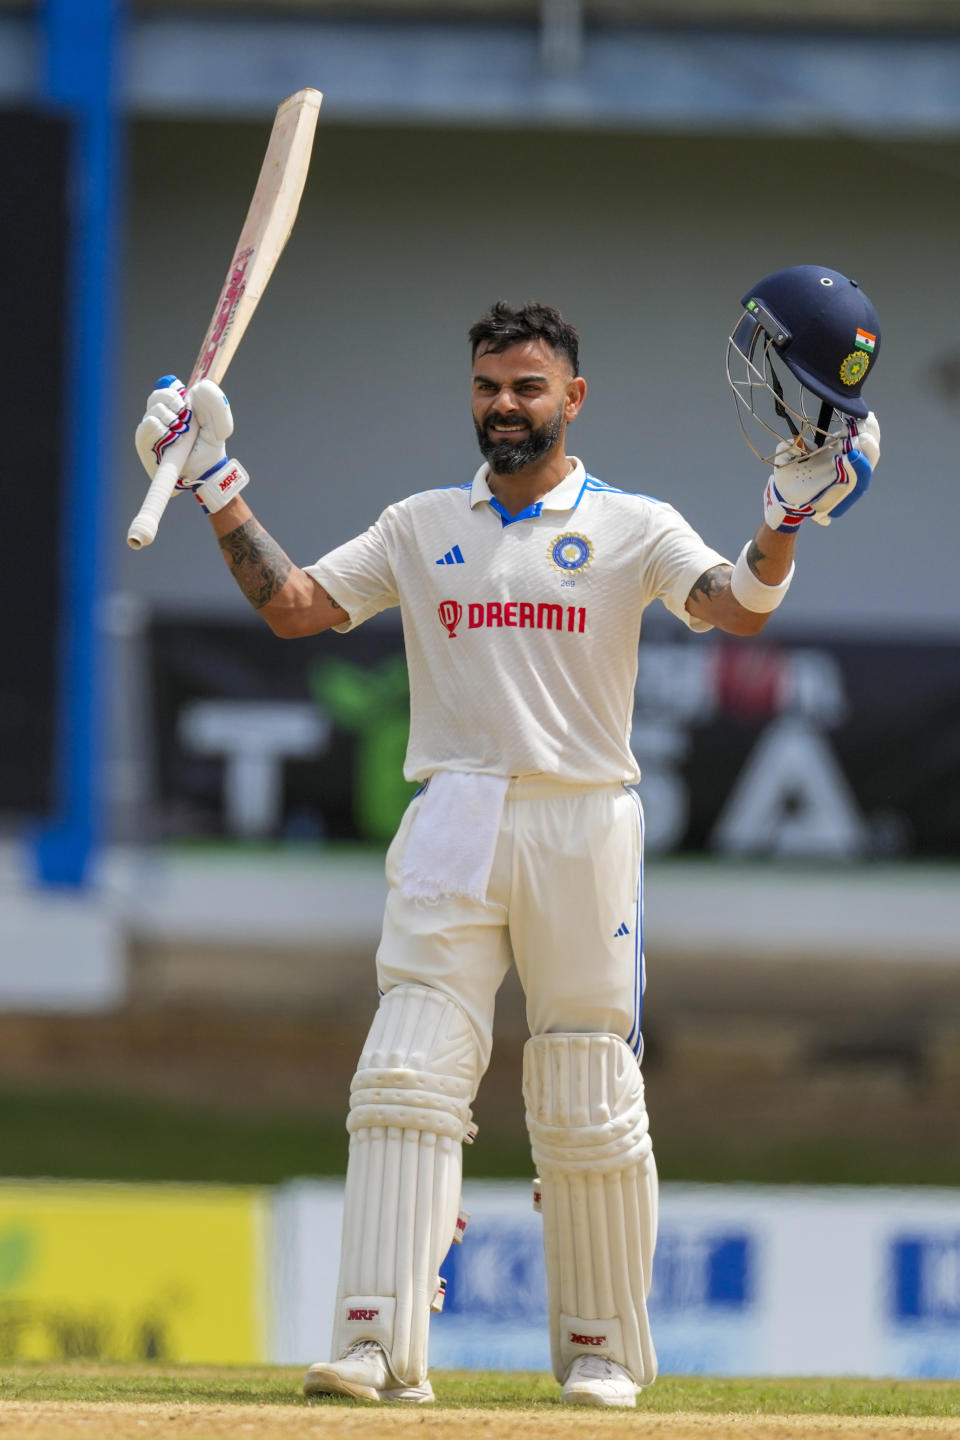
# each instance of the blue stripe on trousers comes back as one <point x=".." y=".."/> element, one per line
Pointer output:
<point x="635" y="1038"/>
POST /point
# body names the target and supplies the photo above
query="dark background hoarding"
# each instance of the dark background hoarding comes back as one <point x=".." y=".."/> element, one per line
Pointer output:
<point x="807" y="746"/>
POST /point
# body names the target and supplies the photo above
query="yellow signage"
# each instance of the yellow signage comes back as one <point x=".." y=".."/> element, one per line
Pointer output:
<point x="132" y="1272"/>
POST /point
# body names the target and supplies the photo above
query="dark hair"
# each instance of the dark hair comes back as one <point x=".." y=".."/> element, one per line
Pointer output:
<point x="505" y="325"/>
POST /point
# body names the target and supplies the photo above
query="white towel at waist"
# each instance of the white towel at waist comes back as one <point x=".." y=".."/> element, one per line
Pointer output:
<point x="452" y="841"/>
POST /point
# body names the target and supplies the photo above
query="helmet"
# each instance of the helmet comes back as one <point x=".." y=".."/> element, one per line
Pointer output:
<point x="824" y="335"/>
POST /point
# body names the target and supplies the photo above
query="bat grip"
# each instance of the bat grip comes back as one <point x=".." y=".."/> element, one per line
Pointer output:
<point x="143" y="530"/>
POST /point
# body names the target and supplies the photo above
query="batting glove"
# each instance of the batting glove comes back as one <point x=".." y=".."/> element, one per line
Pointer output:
<point x="190" y="429"/>
<point x="824" y="484"/>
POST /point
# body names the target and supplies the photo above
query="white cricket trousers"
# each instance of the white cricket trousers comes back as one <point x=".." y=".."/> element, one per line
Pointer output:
<point x="564" y="904"/>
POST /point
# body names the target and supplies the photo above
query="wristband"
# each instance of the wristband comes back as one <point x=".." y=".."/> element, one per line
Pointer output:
<point x="222" y="486"/>
<point x="750" y="592"/>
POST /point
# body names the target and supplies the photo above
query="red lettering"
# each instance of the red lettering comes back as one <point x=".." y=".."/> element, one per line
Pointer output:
<point x="520" y="614"/>
<point x="587" y="1339"/>
<point x="225" y="311"/>
<point x="363" y="1314"/>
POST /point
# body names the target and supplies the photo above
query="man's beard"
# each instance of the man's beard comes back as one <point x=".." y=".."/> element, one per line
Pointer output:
<point x="506" y="457"/>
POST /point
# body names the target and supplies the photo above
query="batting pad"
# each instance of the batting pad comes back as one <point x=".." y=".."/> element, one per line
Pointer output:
<point x="590" y="1143"/>
<point x="409" y="1113"/>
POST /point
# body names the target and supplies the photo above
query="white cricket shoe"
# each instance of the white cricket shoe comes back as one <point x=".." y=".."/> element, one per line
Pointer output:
<point x="363" y="1373"/>
<point x="592" y="1380"/>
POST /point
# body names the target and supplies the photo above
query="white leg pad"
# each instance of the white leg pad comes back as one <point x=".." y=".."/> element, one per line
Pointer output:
<point x="590" y="1141"/>
<point x="409" y="1114"/>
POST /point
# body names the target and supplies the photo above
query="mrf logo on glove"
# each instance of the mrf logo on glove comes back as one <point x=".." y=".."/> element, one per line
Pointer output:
<point x="191" y="428"/>
<point x="229" y="481"/>
<point x="220" y="489"/>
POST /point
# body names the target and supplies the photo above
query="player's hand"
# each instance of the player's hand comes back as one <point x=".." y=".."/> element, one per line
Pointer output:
<point x="166" y="431"/>
<point x="825" y="484"/>
<point x="191" y="429"/>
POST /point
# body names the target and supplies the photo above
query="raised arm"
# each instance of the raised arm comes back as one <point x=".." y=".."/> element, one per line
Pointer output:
<point x="193" y="430"/>
<point x="740" y="598"/>
<point x="768" y="559"/>
<point x="290" y="600"/>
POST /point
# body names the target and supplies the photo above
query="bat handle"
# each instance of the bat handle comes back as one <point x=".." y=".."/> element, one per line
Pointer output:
<point x="143" y="530"/>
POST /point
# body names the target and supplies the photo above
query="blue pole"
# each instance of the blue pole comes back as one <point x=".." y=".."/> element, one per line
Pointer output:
<point x="81" y="47"/>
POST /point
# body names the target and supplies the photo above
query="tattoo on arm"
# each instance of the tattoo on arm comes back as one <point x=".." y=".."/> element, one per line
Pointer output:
<point x="259" y="566"/>
<point x="755" y="556"/>
<point x="711" y="583"/>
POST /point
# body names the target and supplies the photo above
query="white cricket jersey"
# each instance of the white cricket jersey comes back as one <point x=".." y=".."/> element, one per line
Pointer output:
<point x="521" y="631"/>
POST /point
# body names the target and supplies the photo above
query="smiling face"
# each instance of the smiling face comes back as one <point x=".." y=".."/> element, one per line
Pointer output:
<point x="522" y="399"/>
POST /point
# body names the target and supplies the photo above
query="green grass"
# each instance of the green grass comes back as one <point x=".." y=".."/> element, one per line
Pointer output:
<point x="106" y="1137"/>
<point x="281" y="1386"/>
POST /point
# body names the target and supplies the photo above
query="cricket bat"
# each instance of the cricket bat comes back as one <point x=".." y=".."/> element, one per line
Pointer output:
<point x="265" y="232"/>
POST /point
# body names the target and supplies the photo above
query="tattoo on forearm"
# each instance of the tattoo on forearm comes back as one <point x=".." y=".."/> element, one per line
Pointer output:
<point x="334" y="604"/>
<point x="711" y="583"/>
<point x="260" y="567"/>
<point x="755" y="556"/>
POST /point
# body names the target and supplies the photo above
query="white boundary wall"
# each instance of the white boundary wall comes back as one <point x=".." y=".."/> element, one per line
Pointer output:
<point x="747" y="1280"/>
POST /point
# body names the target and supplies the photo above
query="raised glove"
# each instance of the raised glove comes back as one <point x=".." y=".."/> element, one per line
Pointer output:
<point x="190" y="429"/>
<point x="824" y="484"/>
<point x="166" y="431"/>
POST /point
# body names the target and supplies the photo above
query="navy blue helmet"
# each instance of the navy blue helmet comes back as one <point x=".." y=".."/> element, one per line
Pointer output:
<point x="805" y="343"/>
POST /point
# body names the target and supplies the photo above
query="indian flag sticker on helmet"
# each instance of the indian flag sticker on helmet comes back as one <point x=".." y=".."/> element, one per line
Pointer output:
<point x="854" y="367"/>
<point x="865" y="341"/>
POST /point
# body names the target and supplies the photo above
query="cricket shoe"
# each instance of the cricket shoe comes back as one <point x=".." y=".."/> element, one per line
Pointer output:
<point x="592" y="1380"/>
<point x="363" y="1373"/>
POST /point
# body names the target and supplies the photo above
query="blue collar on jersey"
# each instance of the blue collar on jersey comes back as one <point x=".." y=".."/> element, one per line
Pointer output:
<point x="531" y="512"/>
<point x="590" y="483"/>
<point x="565" y="496"/>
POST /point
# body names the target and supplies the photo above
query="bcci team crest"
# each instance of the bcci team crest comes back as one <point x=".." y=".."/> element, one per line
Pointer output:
<point x="570" y="551"/>
<point x="854" y="367"/>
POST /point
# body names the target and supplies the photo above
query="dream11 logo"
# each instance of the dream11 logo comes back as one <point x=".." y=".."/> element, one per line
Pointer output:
<point x="451" y="613"/>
